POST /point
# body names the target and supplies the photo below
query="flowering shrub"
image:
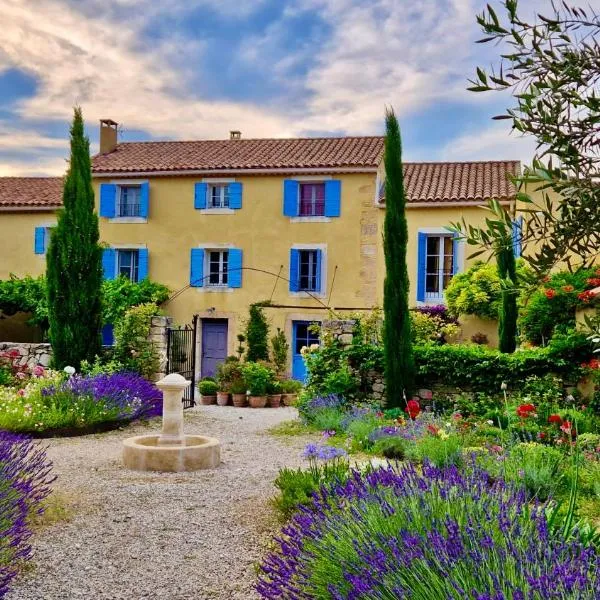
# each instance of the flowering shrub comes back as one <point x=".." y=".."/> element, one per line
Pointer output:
<point x="388" y="534"/>
<point x="25" y="477"/>
<point x="52" y="405"/>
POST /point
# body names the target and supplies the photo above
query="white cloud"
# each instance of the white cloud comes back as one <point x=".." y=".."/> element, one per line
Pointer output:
<point x="494" y="143"/>
<point x="32" y="167"/>
<point x="12" y="138"/>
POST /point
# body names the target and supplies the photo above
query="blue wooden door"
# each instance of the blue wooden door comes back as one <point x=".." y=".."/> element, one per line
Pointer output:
<point x="214" y="345"/>
<point x="302" y="335"/>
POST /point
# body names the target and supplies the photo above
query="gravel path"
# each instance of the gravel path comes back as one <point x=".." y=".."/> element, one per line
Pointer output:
<point x="137" y="536"/>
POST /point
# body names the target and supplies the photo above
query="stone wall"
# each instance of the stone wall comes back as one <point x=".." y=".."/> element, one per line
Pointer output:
<point x="30" y="354"/>
<point x="159" y="327"/>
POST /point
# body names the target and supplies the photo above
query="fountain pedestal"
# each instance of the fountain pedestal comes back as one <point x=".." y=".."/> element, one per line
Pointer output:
<point x="172" y="450"/>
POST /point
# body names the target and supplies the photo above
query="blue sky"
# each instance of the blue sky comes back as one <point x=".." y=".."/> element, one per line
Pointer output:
<point x="190" y="69"/>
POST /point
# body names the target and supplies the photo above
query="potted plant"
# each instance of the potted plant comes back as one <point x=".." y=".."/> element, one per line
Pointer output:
<point x="290" y="389"/>
<point x="227" y="372"/>
<point x="208" y="391"/>
<point x="274" y="394"/>
<point x="238" y="393"/>
<point x="257" y="379"/>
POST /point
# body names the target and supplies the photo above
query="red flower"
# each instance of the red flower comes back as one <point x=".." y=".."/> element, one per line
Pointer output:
<point x="546" y="279"/>
<point x="541" y="435"/>
<point x="567" y="288"/>
<point x="524" y="410"/>
<point x="550" y="293"/>
<point x="586" y="296"/>
<point x="413" y="409"/>
<point x="593" y="281"/>
<point x="433" y="429"/>
<point x="566" y="427"/>
<point x="554" y="419"/>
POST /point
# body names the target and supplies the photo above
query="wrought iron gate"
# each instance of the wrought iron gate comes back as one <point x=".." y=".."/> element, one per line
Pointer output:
<point x="181" y="357"/>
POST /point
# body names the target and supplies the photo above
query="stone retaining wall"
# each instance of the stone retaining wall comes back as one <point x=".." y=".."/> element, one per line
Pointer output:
<point x="30" y="354"/>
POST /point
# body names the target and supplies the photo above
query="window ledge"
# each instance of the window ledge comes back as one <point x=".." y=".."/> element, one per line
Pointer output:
<point x="310" y="219"/>
<point x="432" y="300"/>
<point x="307" y="294"/>
<point x="216" y="211"/>
<point x="128" y="220"/>
<point x="220" y="289"/>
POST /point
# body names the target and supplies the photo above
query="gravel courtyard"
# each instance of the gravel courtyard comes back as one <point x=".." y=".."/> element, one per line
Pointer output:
<point x="135" y="536"/>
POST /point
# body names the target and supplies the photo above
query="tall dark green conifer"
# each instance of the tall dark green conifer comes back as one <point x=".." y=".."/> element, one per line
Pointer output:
<point x="399" y="360"/>
<point x="507" y="323"/>
<point x="74" y="262"/>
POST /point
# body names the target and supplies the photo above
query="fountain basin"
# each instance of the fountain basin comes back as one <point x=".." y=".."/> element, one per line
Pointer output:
<point x="142" y="453"/>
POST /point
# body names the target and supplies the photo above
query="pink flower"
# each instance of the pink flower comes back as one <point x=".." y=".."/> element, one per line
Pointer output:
<point x="38" y="371"/>
<point x="21" y="375"/>
<point x="21" y="392"/>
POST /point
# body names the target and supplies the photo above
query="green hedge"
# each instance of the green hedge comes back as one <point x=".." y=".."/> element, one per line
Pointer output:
<point x="482" y="369"/>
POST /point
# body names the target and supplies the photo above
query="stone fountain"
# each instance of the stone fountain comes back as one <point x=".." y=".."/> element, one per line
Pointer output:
<point x="172" y="450"/>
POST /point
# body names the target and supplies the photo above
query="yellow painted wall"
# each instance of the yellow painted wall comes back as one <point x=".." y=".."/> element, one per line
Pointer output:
<point x="17" y="230"/>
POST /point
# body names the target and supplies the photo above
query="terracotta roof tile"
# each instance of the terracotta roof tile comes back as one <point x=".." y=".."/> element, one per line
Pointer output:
<point x="458" y="181"/>
<point x="273" y="153"/>
<point x="31" y="192"/>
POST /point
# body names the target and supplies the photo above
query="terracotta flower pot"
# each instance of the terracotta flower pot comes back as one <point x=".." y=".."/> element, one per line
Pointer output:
<point x="222" y="398"/>
<point x="274" y="400"/>
<point x="206" y="400"/>
<point x="289" y="399"/>
<point x="257" y="401"/>
<point x="240" y="400"/>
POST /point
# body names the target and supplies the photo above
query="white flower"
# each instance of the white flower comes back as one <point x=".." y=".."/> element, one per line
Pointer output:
<point x="69" y="370"/>
<point x="490" y="422"/>
<point x="314" y="346"/>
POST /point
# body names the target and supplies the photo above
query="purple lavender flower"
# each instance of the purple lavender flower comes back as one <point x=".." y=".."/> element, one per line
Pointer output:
<point x="392" y="533"/>
<point x="25" y="478"/>
<point x="322" y="452"/>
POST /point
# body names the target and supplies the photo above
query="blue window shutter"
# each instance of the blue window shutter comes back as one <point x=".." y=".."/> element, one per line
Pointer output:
<point x="294" y="269"/>
<point x="319" y="255"/>
<point x="333" y="198"/>
<point x="197" y="267"/>
<point x="421" y="266"/>
<point x="517" y="235"/>
<point x="108" y="338"/>
<point x="200" y="191"/>
<point x="108" y="263"/>
<point x="142" y="264"/>
<point x="455" y="246"/>
<point x="235" y="195"/>
<point x="145" y="199"/>
<point x="39" y="245"/>
<point x="290" y="198"/>
<point x="234" y="271"/>
<point x="108" y="200"/>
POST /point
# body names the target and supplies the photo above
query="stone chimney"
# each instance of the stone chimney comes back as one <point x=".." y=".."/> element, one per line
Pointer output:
<point x="235" y="134"/>
<point x="108" y="135"/>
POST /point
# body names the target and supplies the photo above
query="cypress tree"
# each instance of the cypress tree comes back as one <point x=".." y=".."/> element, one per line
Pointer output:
<point x="507" y="322"/>
<point x="399" y="360"/>
<point x="257" y="334"/>
<point x="74" y="262"/>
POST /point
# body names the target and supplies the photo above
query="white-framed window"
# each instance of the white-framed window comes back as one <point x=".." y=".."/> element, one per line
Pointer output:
<point x="308" y="277"/>
<point x="129" y="201"/>
<point x="312" y="199"/>
<point x="439" y="264"/>
<point x="218" y="195"/>
<point x="128" y="264"/>
<point x="217" y="263"/>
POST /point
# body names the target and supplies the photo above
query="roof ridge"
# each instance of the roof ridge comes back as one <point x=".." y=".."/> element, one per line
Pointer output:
<point x="266" y="139"/>
<point x="460" y="162"/>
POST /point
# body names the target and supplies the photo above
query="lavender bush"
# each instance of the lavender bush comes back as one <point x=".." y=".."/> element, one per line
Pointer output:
<point x="25" y="478"/>
<point x="439" y="533"/>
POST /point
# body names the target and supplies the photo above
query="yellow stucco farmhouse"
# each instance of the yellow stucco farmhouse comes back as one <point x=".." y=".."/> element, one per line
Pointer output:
<point x="226" y="223"/>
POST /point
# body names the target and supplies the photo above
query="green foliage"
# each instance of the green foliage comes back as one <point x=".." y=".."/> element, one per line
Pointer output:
<point x="290" y="386"/>
<point x="551" y="307"/>
<point x="442" y="452"/>
<point x="391" y="447"/>
<point x="104" y="363"/>
<point x="257" y="334"/>
<point x="257" y="378"/>
<point x="296" y="486"/>
<point x="477" y="292"/>
<point x="400" y="368"/>
<point x="208" y="387"/>
<point x="484" y="369"/>
<point x="359" y="431"/>
<point x="279" y="349"/>
<point x="121" y="293"/>
<point x="426" y="329"/>
<point x="132" y="347"/>
<point x="230" y="376"/>
<point x="74" y="268"/>
<point x="507" y="324"/>
<point x="26" y="294"/>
